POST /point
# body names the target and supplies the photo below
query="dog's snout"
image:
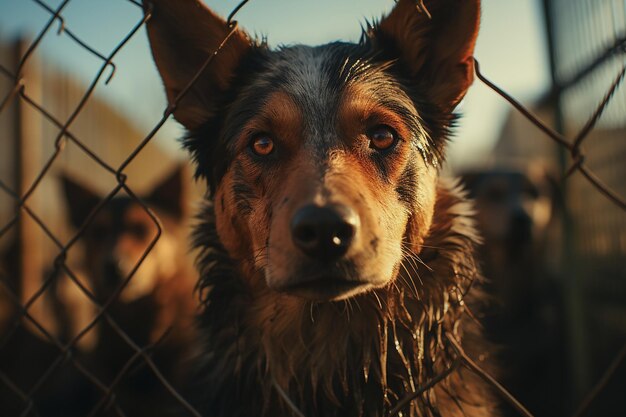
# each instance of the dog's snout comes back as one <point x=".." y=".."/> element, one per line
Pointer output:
<point x="112" y="271"/>
<point x="324" y="232"/>
<point x="521" y="226"/>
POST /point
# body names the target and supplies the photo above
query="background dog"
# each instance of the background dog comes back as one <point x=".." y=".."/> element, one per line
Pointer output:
<point x="517" y="211"/>
<point x="155" y="308"/>
<point x="514" y="209"/>
<point x="334" y="262"/>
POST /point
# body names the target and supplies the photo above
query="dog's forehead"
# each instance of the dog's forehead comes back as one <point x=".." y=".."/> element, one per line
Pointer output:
<point x="302" y="69"/>
<point x="312" y="77"/>
<point x="118" y="206"/>
<point x="117" y="210"/>
<point x="308" y="75"/>
<point x="320" y="81"/>
<point x="320" y="71"/>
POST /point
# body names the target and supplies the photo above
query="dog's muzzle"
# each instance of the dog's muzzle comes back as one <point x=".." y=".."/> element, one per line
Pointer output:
<point x="324" y="235"/>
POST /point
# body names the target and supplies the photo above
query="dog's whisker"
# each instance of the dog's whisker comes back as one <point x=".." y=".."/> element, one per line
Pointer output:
<point x="346" y="308"/>
<point x="380" y="304"/>
<point x="433" y="247"/>
<point x="408" y="280"/>
<point x="311" y="312"/>
<point x="406" y="249"/>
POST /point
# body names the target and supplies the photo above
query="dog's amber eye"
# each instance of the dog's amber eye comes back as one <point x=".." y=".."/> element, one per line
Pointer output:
<point x="262" y="145"/>
<point x="382" y="137"/>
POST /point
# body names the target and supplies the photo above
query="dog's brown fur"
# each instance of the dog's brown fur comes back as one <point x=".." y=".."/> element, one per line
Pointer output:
<point x="353" y="335"/>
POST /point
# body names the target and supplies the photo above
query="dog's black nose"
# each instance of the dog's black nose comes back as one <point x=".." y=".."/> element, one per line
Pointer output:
<point x="324" y="232"/>
<point x="112" y="272"/>
<point x="521" y="227"/>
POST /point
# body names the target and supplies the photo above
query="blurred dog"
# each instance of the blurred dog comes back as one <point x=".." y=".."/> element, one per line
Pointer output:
<point x="516" y="212"/>
<point x="154" y="304"/>
<point x="334" y="261"/>
<point x="513" y="210"/>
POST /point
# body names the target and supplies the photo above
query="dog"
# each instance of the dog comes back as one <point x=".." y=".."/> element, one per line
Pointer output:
<point x="514" y="206"/>
<point x="516" y="211"/>
<point x="334" y="262"/>
<point x="156" y="307"/>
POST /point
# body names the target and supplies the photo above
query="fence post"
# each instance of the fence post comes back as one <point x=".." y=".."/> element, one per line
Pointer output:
<point x="573" y="301"/>
<point x="28" y="160"/>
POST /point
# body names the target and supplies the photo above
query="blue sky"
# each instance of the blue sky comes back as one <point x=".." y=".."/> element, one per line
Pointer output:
<point x="511" y="49"/>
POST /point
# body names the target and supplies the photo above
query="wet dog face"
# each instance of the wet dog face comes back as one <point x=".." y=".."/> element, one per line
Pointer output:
<point x="323" y="174"/>
<point x="322" y="160"/>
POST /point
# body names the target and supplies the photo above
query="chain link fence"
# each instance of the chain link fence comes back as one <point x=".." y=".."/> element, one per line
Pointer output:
<point x="61" y="367"/>
<point x="588" y="54"/>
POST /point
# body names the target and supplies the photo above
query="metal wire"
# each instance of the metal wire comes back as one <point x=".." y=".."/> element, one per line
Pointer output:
<point x="574" y="147"/>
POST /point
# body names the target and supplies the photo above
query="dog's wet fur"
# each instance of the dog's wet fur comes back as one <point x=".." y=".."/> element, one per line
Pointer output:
<point x="334" y="262"/>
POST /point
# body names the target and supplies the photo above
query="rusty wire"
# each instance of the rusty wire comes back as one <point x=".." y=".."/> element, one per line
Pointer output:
<point x="107" y="401"/>
<point x="574" y="147"/>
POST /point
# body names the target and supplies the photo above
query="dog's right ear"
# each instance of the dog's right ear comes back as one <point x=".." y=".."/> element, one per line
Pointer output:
<point x="80" y="200"/>
<point x="183" y="35"/>
<point x="435" y="40"/>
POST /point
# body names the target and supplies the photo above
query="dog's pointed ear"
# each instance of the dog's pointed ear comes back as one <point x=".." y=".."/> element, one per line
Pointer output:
<point x="80" y="200"/>
<point x="183" y="34"/>
<point x="168" y="194"/>
<point x="470" y="180"/>
<point x="435" y="40"/>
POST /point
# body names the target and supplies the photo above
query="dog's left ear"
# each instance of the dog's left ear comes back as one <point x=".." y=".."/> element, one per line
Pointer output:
<point x="183" y="35"/>
<point x="435" y="41"/>
<point x="80" y="200"/>
<point x="168" y="194"/>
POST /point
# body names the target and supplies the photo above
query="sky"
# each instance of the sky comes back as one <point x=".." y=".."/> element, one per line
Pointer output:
<point x="511" y="49"/>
